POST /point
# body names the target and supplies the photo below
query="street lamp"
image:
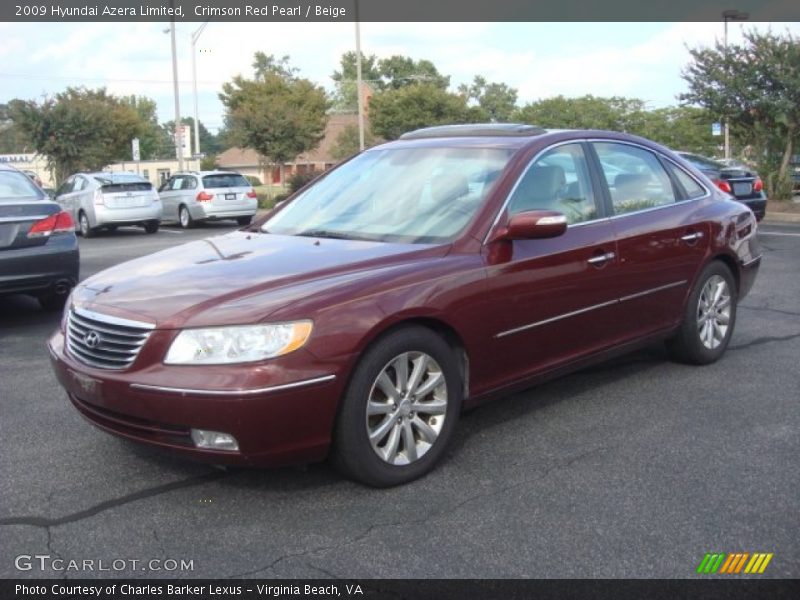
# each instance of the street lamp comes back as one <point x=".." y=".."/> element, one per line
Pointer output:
<point x="195" y="37"/>
<point x="730" y="15"/>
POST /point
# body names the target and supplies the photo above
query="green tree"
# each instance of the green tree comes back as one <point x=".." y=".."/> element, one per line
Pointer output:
<point x="498" y="100"/>
<point x="345" y="97"/>
<point x="400" y="71"/>
<point x="681" y="128"/>
<point x="209" y="144"/>
<point x="154" y="141"/>
<point x="78" y="129"/>
<point x="12" y="139"/>
<point x="276" y="113"/>
<point x="586" y="112"/>
<point x="756" y="87"/>
<point x="346" y="144"/>
<point x="396" y="111"/>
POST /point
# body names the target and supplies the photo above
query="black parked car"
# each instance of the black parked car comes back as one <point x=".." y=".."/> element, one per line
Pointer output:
<point x="38" y="247"/>
<point x="740" y="182"/>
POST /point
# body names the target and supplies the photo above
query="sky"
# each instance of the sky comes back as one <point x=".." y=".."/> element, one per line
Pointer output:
<point x="642" y="60"/>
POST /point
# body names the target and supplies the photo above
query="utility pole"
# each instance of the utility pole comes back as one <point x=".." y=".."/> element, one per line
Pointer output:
<point x="730" y="15"/>
<point x="195" y="37"/>
<point x="178" y="127"/>
<point x="358" y="84"/>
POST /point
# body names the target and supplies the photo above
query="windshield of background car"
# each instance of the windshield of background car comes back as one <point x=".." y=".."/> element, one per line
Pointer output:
<point x="16" y="186"/>
<point x="403" y="195"/>
<point x="225" y="180"/>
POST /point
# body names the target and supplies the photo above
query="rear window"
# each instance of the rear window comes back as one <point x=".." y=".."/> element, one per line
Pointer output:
<point x="702" y="162"/>
<point x="123" y="182"/>
<point x="16" y="186"/>
<point x="224" y="180"/>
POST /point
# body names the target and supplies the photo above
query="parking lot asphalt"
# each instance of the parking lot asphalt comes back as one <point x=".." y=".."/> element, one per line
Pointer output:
<point x="635" y="468"/>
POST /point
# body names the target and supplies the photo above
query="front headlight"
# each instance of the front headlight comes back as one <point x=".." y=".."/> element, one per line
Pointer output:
<point x="237" y="344"/>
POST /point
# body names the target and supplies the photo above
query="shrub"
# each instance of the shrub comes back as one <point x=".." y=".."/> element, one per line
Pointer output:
<point x="298" y="180"/>
<point x="254" y="181"/>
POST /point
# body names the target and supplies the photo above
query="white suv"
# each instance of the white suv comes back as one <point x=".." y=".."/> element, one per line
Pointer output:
<point x="208" y="195"/>
<point x="108" y="200"/>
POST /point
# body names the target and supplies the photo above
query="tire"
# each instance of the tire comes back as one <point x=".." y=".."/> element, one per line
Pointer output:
<point x="151" y="226"/>
<point x="83" y="225"/>
<point x="429" y="420"/>
<point x="709" y="317"/>
<point x="185" y="219"/>
<point x="244" y="220"/>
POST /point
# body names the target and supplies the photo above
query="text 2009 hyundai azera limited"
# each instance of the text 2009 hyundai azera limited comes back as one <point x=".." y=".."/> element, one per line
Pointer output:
<point x="423" y="276"/>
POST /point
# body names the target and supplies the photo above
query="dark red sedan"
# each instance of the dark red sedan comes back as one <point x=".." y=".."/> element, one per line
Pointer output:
<point x="452" y="266"/>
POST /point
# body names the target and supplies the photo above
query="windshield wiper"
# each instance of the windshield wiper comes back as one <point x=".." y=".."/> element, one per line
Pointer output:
<point x="325" y="233"/>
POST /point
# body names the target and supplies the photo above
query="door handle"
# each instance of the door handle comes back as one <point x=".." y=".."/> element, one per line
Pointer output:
<point x="692" y="237"/>
<point x="601" y="259"/>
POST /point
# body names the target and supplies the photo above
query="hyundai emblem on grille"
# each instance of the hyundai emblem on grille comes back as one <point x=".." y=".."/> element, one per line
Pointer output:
<point x="92" y="339"/>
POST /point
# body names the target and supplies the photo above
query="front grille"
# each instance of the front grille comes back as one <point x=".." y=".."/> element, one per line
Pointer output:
<point x="104" y="342"/>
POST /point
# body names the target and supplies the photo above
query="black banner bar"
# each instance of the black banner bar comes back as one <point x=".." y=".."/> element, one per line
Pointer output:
<point x="114" y="11"/>
<point x="416" y="589"/>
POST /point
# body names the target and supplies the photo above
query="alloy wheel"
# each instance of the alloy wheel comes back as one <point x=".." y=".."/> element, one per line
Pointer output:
<point x="714" y="312"/>
<point x="406" y="408"/>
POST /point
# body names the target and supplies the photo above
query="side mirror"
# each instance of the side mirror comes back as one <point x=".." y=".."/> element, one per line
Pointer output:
<point x="534" y="224"/>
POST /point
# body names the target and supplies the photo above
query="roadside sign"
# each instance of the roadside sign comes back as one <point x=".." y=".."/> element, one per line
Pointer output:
<point x="135" y="149"/>
<point x="716" y="129"/>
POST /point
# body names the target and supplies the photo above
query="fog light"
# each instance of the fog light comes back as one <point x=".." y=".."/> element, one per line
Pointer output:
<point x="214" y="440"/>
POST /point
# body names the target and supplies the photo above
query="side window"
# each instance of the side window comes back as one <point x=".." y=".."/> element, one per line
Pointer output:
<point x="691" y="188"/>
<point x="558" y="180"/>
<point x="189" y="183"/>
<point x="635" y="177"/>
<point x="176" y="183"/>
<point x="80" y="183"/>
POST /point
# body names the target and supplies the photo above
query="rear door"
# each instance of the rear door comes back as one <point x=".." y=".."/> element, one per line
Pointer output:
<point x="662" y="237"/>
<point x="169" y="192"/>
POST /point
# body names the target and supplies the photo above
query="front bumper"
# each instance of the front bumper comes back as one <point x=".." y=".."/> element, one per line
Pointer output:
<point x="287" y="418"/>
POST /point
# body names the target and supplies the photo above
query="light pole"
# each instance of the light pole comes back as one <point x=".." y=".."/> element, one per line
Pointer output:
<point x="730" y="15"/>
<point x="178" y="128"/>
<point x="195" y="37"/>
<point x="359" y="95"/>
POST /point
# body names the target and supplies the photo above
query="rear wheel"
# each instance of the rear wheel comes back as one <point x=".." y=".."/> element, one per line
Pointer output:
<point x="185" y="217"/>
<point x="709" y="318"/>
<point x="244" y="220"/>
<point x="400" y="409"/>
<point x="151" y="226"/>
<point x="83" y="225"/>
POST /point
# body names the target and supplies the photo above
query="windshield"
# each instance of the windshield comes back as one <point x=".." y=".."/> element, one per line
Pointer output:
<point x="112" y="178"/>
<point x="16" y="186"/>
<point x="404" y="195"/>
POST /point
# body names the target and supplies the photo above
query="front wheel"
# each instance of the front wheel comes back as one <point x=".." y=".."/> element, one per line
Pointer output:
<point x="400" y="409"/>
<point x="709" y="317"/>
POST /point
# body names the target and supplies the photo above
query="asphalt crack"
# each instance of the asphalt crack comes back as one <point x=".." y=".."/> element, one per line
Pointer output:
<point x="769" y="309"/>
<point x="764" y="340"/>
<point x="450" y="508"/>
<point x="45" y="522"/>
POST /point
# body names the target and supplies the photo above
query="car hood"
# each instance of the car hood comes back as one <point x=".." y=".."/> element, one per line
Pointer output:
<point x="240" y="277"/>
